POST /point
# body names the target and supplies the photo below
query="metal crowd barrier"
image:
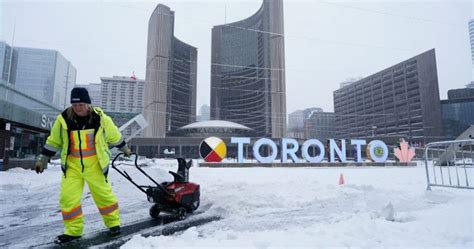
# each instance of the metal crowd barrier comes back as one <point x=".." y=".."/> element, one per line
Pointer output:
<point x="450" y="164"/>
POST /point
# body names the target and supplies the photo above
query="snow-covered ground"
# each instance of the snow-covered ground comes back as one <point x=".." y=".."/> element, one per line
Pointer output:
<point x="262" y="208"/>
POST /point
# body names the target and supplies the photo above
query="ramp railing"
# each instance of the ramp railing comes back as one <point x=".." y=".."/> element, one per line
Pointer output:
<point x="450" y="164"/>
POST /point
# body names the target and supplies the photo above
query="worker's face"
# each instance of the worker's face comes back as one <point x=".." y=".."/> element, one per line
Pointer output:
<point x="80" y="109"/>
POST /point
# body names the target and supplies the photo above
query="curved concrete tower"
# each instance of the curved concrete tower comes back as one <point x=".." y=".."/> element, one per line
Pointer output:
<point x="170" y="82"/>
<point x="248" y="71"/>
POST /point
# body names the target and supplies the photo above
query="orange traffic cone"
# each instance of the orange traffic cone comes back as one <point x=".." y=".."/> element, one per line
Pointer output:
<point x="341" y="179"/>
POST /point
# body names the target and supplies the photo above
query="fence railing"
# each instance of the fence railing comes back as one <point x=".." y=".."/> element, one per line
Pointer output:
<point x="450" y="164"/>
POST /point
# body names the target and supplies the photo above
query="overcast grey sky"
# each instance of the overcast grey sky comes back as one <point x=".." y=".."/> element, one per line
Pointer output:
<point x="326" y="42"/>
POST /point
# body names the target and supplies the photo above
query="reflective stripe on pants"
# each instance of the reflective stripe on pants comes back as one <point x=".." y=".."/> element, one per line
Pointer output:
<point x="108" y="210"/>
<point x="74" y="213"/>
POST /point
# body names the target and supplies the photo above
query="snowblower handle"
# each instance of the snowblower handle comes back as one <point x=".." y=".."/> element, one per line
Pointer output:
<point x="126" y="176"/>
<point x="124" y="173"/>
<point x="119" y="154"/>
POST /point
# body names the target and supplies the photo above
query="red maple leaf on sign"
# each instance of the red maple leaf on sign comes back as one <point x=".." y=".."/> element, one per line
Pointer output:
<point x="404" y="154"/>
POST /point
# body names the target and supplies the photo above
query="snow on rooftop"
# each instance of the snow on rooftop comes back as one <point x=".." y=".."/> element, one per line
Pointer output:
<point x="215" y="124"/>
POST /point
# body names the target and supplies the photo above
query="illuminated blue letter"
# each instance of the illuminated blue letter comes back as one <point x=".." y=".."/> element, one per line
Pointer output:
<point x="341" y="152"/>
<point x="240" y="141"/>
<point x="256" y="150"/>
<point x="358" y="144"/>
<point x="289" y="151"/>
<point x="309" y="143"/>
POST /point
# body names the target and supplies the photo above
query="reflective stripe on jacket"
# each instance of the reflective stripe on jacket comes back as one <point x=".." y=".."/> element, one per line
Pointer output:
<point x="107" y="134"/>
<point x="81" y="143"/>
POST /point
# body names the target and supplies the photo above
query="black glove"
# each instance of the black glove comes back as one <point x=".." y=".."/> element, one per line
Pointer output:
<point x="126" y="151"/>
<point x="41" y="163"/>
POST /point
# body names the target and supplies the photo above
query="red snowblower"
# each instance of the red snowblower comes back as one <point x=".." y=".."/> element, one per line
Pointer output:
<point x="179" y="197"/>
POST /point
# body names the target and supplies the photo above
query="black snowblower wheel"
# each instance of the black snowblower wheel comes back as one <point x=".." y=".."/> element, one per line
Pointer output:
<point x="182" y="213"/>
<point x="193" y="207"/>
<point x="154" y="211"/>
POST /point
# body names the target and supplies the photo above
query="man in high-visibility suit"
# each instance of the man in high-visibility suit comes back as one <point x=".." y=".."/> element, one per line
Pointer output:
<point x="82" y="134"/>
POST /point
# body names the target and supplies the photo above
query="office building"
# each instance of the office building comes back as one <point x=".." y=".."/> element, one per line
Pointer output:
<point x="296" y="122"/>
<point x="122" y="94"/>
<point x="25" y="122"/>
<point x="5" y="61"/>
<point x="471" y="37"/>
<point x="95" y="93"/>
<point x="171" y="74"/>
<point x="122" y="99"/>
<point x="320" y="125"/>
<point x="43" y="74"/>
<point x="400" y="101"/>
<point x="349" y="81"/>
<point x="204" y="113"/>
<point x="248" y="71"/>
<point x="458" y="112"/>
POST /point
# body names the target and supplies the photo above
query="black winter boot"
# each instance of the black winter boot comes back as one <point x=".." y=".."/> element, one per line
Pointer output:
<point x="114" y="231"/>
<point x="64" y="238"/>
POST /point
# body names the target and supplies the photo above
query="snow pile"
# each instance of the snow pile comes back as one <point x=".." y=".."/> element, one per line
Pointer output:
<point x="266" y="208"/>
<point x="269" y="208"/>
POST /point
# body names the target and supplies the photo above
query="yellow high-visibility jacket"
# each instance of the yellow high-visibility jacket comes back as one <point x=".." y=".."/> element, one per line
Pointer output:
<point x="106" y="135"/>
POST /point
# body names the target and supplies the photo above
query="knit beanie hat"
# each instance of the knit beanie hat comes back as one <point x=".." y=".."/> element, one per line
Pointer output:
<point x="80" y="95"/>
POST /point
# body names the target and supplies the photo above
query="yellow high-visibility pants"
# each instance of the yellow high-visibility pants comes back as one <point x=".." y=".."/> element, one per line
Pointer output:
<point x="71" y="193"/>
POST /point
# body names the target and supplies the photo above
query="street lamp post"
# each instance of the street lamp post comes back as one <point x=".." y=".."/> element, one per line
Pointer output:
<point x="373" y="130"/>
<point x="66" y="89"/>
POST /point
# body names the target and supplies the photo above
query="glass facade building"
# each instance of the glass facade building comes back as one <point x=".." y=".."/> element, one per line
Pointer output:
<point x="5" y="61"/>
<point x="458" y="112"/>
<point x="248" y="71"/>
<point x="471" y="37"/>
<point x="35" y="87"/>
<point x="297" y="122"/>
<point x="400" y="101"/>
<point x="24" y="126"/>
<point x="171" y="75"/>
<point x="43" y="74"/>
<point x="320" y="125"/>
